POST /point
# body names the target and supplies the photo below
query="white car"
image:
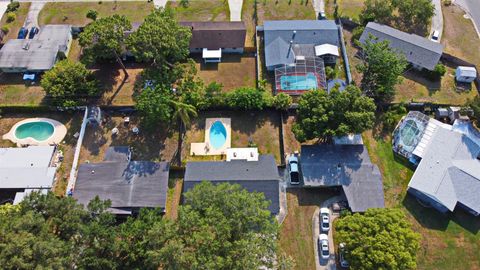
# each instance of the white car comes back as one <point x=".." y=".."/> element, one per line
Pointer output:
<point x="324" y="219"/>
<point x="435" y="36"/>
<point x="323" y="246"/>
<point x="293" y="170"/>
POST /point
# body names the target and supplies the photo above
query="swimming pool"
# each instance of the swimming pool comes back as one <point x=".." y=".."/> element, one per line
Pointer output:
<point x="218" y="134"/>
<point x="39" y="131"/>
<point x="299" y="82"/>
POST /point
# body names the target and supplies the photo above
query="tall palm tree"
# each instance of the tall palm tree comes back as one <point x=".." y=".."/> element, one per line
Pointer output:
<point x="183" y="113"/>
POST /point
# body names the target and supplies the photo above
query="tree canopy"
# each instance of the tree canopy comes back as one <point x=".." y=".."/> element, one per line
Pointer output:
<point x="378" y="239"/>
<point x="218" y="227"/>
<point x="381" y="68"/>
<point x="67" y="81"/>
<point x="160" y="39"/>
<point x="321" y="115"/>
<point x="104" y="38"/>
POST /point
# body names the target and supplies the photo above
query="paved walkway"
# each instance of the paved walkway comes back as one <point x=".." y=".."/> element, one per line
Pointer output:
<point x="472" y="8"/>
<point x="160" y="3"/>
<point x="318" y="6"/>
<point x="437" y="20"/>
<point x="235" y="7"/>
<point x="32" y="16"/>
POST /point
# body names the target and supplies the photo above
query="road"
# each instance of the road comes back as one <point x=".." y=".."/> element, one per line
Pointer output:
<point x="472" y="7"/>
<point x="437" y="20"/>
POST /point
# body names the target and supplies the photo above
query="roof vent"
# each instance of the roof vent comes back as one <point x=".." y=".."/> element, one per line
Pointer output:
<point x="26" y="46"/>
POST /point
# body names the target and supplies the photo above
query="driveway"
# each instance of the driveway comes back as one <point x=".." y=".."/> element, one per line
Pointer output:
<point x="318" y="6"/>
<point x="235" y="7"/>
<point x="472" y="8"/>
<point x="32" y="16"/>
<point x="437" y="20"/>
<point x="3" y="8"/>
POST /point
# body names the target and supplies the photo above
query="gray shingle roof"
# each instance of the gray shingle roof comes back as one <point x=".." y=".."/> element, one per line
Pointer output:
<point x="117" y="153"/>
<point x="215" y="35"/>
<point x="261" y="176"/>
<point x="128" y="185"/>
<point x="278" y="34"/>
<point x="417" y="50"/>
<point x="37" y="54"/>
<point x="348" y="166"/>
<point x="449" y="171"/>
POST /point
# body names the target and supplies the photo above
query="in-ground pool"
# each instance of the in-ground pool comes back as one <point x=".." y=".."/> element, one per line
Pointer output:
<point x="39" y="131"/>
<point x="299" y="82"/>
<point x="218" y="134"/>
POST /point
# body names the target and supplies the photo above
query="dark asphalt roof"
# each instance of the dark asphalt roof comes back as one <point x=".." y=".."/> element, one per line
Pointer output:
<point x="117" y="153"/>
<point x="215" y="35"/>
<point x="133" y="184"/>
<point x="261" y="176"/>
<point x="348" y="166"/>
<point x="417" y="50"/>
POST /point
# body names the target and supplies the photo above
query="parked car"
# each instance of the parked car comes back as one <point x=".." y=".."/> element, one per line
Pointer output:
<point x="323" y="246"/>
<point x="293" y="170"/>
<point x="33" y="31"/>
<point x="22" y="33"/>
<point x="435" y="36"/>
<point x="343" y="263"/>
<point x="322" y="15"/>
<point x="324" y="219"/>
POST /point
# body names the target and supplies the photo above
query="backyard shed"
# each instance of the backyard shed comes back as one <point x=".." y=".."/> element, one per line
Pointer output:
<point x="465" y="74"/>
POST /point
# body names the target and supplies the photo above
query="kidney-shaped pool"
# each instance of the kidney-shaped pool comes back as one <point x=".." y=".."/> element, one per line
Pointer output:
<point x="39" y="131"/>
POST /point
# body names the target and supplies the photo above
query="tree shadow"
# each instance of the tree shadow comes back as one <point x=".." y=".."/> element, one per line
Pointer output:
<point x="419" y="77"/>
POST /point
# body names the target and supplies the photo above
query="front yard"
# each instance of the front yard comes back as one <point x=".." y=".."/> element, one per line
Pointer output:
<point x="204" y="10"/>
<point x="284" y="10"/>
<point x="14" y="26"/>
<point x="257" y="128"/>
<point x="75" y="12"/>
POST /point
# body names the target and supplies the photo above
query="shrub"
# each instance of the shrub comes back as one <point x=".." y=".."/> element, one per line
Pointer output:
<point x="282" y="101"/>
<point x="5" y="29"/>
<point x="357" y="32"/>
<point x="440" y="70"/>
<point x="331" y="72"/>
<point x="92" y="14"/>
<point x="11" y="16"/>
<point x="393" y="116"/>
<point x="246" y="98"/>
<point x="13" y="6"/>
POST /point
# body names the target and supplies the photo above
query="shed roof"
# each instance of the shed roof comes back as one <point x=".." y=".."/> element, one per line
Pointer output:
<point x="216" y="35"/>
<point x="348" y="166"/>
<point x="466" y="71"/>
<point x="134" y="184"/>
<point x="417" y="50"/>
<point x="260" y="176"/>
<point x="279" y="34"/>
<point x="325" y="49"/>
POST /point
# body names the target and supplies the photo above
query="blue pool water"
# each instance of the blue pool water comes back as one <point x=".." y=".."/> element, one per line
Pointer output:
<point x="299" y="82"/>
<point x="39" y="131"/>
<point x="218" y="135"/>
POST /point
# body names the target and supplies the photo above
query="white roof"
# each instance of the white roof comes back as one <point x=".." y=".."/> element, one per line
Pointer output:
<point x="33" y="156"/>
<point x="326" y="49"/>
<point x="466" y="71"/>
<point x="248" y="154"/>
<point x="211" y="53"/>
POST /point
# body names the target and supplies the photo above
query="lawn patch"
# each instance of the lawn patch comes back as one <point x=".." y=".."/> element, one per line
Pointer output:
<point x="14" y="91"/>
<point x="284" y="10"/>
<point x="75" y="12"/>
<point x="15" y="26"/>
<point x="204" y="10"/>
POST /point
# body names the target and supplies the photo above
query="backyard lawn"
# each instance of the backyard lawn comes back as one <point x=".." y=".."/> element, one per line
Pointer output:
<point x="15" y="25"/>
<point x="175" y="185"/>
<point x="448" y="242"/>
<point x="259" y="128"/>
<point x="296" y="232"/>
<point x="75" y="12"/>
<point x="202" y="10"/>
<point x="285" y="10"/>
<point x="14" y="91"/>
<point x="155" y="145"/>
<point x="71" y="120"/>
<point x="234" y="71"/>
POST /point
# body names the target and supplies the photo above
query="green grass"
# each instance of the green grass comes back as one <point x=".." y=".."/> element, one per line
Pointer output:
<point x="284" y="10"/>
<point x="14" y="26"/>
<point x="75" y="12"/>
<point x="202" y="10"/>
<point x="448" y="242"/>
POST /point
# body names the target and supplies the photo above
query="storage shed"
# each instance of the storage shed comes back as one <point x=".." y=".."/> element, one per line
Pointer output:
<point x="465" y="74"/>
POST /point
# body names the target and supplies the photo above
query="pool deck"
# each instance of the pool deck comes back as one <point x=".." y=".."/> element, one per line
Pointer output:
<point x="205" y="148"/>
<point x="59" y="132"/>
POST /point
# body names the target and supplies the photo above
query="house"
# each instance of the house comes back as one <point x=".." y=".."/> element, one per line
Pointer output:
<point x="447" y="175"/>
<point x="129" y="185"/>
<point x="419" y="51"/>
<point x="23" y="170"/>
<point x="259" y="175"/>
<point x="286" y="41"/>
<point x="465" y="74"/>
<point x="38" y="54"/>
<point x="211" y="39"/>
<point x="347" y="166"/>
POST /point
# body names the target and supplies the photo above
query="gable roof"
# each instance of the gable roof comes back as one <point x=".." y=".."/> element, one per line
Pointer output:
<point x="418" y="50"/>
<point x="216" y="35"/>
<point x="449" y="171"/>
<point x="260" y="176"/>
<point x="348" y="166"/>
<point x="128" y="185"/>
<point x="278" y="34"/>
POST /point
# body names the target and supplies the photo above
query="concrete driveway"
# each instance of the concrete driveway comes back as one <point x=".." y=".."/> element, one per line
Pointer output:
<point x="235" y="7"/>
<point x="437" y="20"/>
<point x="472" y="8"/>
<point x="32" y="16"/>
